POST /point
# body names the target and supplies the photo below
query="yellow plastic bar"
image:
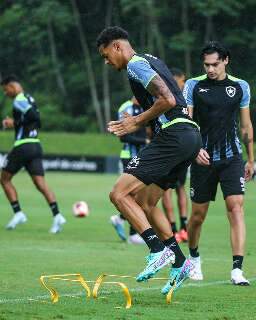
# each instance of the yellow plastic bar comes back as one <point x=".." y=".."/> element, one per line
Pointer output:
<point x="126" y="292"/>
<point x="64" y="277"/>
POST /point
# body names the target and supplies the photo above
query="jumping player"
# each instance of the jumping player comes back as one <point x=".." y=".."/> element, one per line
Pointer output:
<point x="175" y="145"/>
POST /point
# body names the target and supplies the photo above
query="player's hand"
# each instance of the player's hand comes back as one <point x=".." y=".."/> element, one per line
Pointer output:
<point x="123" y="126"/>
<point x="8" y="123"/>
<point x="203" y="158"/>
<point x="249" y="170"/>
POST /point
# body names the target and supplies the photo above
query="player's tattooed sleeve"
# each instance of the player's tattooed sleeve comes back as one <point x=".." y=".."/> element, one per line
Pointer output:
<point x="158" y="88"/>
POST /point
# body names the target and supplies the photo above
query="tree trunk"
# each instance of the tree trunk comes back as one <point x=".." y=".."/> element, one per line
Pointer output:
<point x="56" y="65"/>
<point x="89" y="69"/>
<point x="185" y="26"/>
<point x="105" y="73"/>
<point x="208" y="29"/>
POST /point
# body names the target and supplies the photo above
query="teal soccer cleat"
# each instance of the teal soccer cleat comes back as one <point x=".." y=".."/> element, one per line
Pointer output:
<point x="155" y="262"/>
<point x="178" y="276"/>
<point x="118" y="224"/>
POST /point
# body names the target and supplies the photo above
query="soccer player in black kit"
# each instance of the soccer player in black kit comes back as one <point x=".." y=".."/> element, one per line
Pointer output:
<point x="175" y="145"/>
<point x="26" y="152"/>
<point x="216" y="99"/>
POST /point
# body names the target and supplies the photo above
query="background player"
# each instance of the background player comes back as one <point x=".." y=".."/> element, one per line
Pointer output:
<point x="215" y="100"/>
<point x="27" y="152"/>
<point x="132" y="143"/>
<point x="182" y="201"/>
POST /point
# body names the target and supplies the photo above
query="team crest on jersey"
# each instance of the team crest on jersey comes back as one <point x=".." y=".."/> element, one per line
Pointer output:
<point x="231" y="91"/>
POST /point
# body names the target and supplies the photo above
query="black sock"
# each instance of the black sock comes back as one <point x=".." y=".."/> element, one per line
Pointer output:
<point x="132" y="231"/>
<point x="179" y="256"/>
<point x="122" y="217"/>
<point x="15" y="206"/>
<point x="183" y="223"/>
<point x="174" y="227"/>
<point x="237" y="262"/>
<point x="152" y="240"/>
<point x="194" y="252"/>
<point x="54" y="208"/>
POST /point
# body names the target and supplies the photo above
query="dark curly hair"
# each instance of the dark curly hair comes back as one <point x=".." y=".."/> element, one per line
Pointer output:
<point x="215" y="46"/>
<point x="109" y="34"/>
<point x="11" y="78"/>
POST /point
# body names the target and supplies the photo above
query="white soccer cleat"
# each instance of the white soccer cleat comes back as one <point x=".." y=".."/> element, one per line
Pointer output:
<point x="238" y="279"/>
<point x="196" y="273"/>
<point x="58" y="221"/>
<point x="135" y="239"/>
<point x="18" y="218"/>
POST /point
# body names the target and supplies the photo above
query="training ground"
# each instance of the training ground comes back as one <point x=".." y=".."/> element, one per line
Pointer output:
<point x="90" y="246"/>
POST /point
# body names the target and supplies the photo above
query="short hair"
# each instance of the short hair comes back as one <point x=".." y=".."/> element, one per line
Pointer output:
<point x="111" y="33"/>
<point x="215" y="46"/>
<point x="8" y="79"/>
<point x="177" y="72"/>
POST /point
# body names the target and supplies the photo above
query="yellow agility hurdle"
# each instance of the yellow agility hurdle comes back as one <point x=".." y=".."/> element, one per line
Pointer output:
<point x="77" y="277"/>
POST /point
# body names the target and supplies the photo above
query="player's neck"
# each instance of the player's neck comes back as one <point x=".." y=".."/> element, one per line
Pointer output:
<point x="129" y="54"/>
<point x="222" y="76"/>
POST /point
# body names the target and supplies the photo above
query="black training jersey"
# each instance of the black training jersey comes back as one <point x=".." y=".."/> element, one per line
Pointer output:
<point x="216" y="106"/>
<point x="26" y="117"/>
<point x="132" y="142"/>
<point x="141" y="69"/>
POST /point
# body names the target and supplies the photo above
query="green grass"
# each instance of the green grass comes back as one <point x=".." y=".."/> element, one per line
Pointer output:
<point x="90" y="246"/>
<point x="71" y="143"/>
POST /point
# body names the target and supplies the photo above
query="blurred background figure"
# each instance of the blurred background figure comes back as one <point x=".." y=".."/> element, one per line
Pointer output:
<point x="182" y="202"/>
<point x="132" y="143"/>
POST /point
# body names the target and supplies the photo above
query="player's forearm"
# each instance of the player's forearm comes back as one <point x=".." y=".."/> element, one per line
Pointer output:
<point x="160" y="106"/>
<point x="247" y="137"/>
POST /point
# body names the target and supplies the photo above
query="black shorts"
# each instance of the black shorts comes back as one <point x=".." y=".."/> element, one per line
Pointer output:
<point x="125" y="163"/>
<point x="28" y="155"/>
<point x="169" y="153"/>
<point x="204" y="179"/>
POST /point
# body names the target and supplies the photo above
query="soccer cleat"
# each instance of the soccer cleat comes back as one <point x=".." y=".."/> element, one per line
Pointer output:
<point x="58" y="221"/>
<point x="18" y="218"/>
<point x="118" y="224"/>
<point x="196" y="274"/>
<point x="183" y="235"/>
<point x="155" y="262"/>
<point x="178" y="276"/>
<point x="135" y="239"/>
<point x="238" y="279"/>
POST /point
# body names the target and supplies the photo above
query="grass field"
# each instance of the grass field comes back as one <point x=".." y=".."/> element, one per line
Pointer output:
<point x="89" y="246"/>
<point x="71" y="143"/>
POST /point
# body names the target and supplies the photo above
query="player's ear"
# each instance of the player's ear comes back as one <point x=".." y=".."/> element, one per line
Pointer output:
<point x="226" y="61"/>
<point x="116" y="45"/>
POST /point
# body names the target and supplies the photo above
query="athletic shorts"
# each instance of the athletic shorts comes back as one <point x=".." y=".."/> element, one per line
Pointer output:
<point x="204" y="179"/>
<point x="27" y="155"/>
<point x="125" y="163"/>
<point x="169" y="153"/>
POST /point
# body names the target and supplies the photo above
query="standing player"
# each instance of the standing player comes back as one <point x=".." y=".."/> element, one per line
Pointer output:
<point x="182" y="201"/>
<point x="132" y="143"/>
<point x="27" y="152"/>
<point x="156" y="166"/>
<point x="215" y="100"/>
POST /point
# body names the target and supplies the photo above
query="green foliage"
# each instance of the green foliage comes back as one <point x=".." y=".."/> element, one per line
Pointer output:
<point x="53" y="69"/>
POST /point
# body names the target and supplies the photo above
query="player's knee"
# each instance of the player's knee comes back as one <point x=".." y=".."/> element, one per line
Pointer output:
<point x="197" y="217"/>
<point x="3" y="181"/>
<point x="115" y="197"/>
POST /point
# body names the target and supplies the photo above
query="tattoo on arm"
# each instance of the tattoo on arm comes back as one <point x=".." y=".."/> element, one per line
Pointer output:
<point x="158" y="88"/>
